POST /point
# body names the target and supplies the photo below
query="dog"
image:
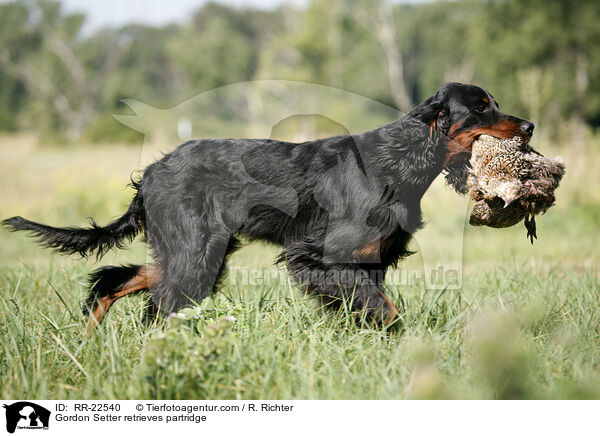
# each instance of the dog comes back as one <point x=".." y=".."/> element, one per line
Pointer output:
<point x="342" y="208"/>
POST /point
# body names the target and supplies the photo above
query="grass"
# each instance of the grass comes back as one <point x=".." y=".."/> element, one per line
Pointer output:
<point x="524" y="324"/>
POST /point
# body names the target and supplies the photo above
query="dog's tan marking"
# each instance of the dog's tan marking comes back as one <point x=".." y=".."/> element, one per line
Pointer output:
<point x="460" y="145"/>
<point x="394" y="311"/>
<point x="371" y="251"/>
<point x="146" y="278"/>
<point x="432" y="127"/>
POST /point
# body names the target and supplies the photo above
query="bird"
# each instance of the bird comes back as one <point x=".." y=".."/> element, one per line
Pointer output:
<point x="509" y="181"/>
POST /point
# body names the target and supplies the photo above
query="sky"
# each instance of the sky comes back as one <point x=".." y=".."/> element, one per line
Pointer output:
<point x="153" y="12"/>
<point x="113" y="13"/>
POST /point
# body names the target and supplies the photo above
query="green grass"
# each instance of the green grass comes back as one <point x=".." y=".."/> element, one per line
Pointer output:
<point x="524" y="324"/>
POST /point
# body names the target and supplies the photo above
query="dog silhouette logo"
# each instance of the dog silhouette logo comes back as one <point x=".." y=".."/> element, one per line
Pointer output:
<point x="26" y="415"/>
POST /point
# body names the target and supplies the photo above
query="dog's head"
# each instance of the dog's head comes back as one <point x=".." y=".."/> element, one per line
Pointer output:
<point x="459" y="114"/>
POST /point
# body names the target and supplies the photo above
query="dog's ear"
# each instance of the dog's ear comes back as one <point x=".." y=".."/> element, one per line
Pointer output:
<point x="434" y="112"/>
<point x="457" y="176"/>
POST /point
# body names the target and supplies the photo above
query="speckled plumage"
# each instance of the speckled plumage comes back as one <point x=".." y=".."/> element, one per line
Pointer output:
<point x="510" y="181"/>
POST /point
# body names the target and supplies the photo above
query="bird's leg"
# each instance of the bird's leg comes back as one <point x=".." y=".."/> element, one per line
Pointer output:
<point x="530" y="226"/>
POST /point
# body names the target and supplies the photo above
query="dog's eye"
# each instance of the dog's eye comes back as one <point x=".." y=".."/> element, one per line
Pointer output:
<point x="481" y="109"/>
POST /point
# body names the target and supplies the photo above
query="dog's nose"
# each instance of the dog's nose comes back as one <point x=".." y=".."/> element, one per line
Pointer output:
<point x="527" y="127"/>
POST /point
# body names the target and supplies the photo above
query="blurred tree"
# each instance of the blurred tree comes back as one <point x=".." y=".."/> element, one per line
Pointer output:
<point x="378" y="17"/>
<point x="557" y="38"/>
<point x="307" y="48"/>
<point x="14" y="35"/>
<point x="221" y="45"/>
<point x="433" y="40"/>
<point x="40" y="50"/>
<point x="540" y="58"/>
<point x="207" y="58"/>
<point x="144" y="69"/>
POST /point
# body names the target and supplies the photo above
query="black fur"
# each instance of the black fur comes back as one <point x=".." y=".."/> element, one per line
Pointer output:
<point x="343" y="208"/>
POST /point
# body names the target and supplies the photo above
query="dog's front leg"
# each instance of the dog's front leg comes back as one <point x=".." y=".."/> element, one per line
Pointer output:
<point x="335" y="284"/>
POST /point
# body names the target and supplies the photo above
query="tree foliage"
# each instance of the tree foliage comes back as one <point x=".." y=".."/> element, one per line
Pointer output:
<point x="539" y="58"/>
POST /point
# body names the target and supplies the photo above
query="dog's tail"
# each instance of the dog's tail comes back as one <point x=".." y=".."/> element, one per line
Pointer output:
<point x="84" y="241"/>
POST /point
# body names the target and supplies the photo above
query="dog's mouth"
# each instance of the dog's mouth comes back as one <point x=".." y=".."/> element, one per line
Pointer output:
<point x="465" y="138"/>
<point x="460" y="148"/>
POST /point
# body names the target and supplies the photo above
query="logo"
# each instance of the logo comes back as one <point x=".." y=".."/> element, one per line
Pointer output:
<point x="26" y="415"/>
<point x="348" y="187"/>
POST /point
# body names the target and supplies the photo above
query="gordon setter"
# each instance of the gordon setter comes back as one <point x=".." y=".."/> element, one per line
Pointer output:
<point x="343" y="208"/>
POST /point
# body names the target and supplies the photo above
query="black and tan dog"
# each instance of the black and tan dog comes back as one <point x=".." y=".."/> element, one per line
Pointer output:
<point x="343" y="208"/>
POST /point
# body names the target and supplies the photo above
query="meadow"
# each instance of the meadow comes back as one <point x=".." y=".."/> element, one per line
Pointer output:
<point x="524" y="324"/>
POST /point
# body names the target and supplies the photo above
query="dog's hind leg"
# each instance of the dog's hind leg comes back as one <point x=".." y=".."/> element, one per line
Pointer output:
<point x="190" y="238"/>
<point x="192" y="273"/>
<point x="110" y="283"/>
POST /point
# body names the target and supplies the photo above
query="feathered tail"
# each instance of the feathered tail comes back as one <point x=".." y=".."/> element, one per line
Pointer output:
<point x="85" y="241"/>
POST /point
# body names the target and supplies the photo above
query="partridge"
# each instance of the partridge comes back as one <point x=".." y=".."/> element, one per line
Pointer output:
<point x="509" y="180"/>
